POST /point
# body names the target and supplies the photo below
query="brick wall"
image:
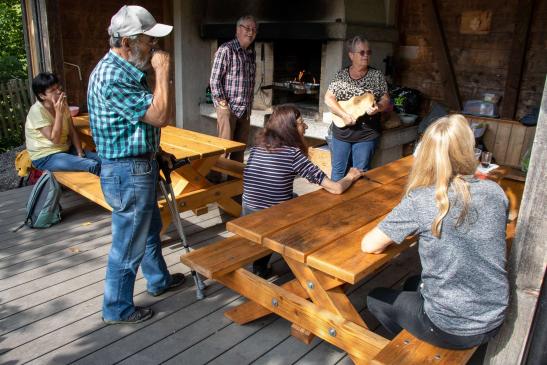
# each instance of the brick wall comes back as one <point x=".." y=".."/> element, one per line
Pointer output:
<point x="480" y="61"/>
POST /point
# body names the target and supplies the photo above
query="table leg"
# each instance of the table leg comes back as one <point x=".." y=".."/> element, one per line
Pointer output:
<point x="334" y="299"/>
<point x="192" y="177"/>
<point x="360" y="343"/>
<point x="250" y="311"/>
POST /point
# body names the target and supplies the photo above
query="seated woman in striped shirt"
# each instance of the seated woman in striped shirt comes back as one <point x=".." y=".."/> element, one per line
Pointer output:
<point x="279" y="156"/>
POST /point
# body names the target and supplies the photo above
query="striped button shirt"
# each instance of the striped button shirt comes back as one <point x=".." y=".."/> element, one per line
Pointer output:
<point x="117" y="98"/>
<point x="233" y="77"/>
<point x="268" y="177"/>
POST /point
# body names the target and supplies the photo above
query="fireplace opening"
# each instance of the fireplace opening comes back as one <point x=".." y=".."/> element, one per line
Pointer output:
<point x="296" y="75"/>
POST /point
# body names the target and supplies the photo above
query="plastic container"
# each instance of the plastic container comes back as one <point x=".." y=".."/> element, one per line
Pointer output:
<point x="491" y="97"/>
<point x="407" y="118"/>
<point x="74" y="110"/>
<point x="480" y="108"/>
<point x="478" y="129"/>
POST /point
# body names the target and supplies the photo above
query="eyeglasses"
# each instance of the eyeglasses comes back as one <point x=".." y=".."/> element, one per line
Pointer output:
<point x="152" y="41"/>
<point x="248" y="29"/>
<point x="364" y="52"/>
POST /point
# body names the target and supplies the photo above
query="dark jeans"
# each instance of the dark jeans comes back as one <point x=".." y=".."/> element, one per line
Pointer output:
<point x="396" y="309"/>
<point x="261" y="263"/>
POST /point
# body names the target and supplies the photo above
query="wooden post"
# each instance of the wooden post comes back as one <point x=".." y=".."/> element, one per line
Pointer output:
<point x="528" y="257"/>
<point x="523" y="20"/>
<point x="442" y="55"/>
<point x="43" y="36"/>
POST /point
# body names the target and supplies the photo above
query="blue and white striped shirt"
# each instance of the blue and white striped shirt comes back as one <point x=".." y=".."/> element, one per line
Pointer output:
<point x="117" y="99"/>
<point x="268" y="177"/>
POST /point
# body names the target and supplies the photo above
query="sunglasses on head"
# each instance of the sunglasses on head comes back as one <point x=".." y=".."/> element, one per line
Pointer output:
<point x="363" y="52"/>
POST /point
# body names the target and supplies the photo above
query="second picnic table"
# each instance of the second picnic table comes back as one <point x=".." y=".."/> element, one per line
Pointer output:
<point x="192" y="189"/>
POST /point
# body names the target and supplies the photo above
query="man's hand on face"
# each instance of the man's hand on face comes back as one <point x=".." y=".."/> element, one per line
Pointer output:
<point x="161" y="61"/>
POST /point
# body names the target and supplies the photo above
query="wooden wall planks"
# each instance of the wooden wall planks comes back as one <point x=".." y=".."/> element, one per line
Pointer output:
<point x="508" y="140"/>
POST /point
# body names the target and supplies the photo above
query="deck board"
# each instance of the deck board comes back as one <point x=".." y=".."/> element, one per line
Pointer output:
<point x="51" y="286"/>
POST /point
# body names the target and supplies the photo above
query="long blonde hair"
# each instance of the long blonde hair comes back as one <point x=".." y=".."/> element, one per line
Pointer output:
<point x="444" y="156"/>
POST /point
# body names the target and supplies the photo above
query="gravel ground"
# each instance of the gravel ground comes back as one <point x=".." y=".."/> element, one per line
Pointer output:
<point x="8" y="176"/>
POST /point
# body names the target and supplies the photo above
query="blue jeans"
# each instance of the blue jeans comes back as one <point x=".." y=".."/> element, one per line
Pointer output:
<point x="360" y="152"/>
<point x="70" y="161"/>
<point x="130" y="188"/>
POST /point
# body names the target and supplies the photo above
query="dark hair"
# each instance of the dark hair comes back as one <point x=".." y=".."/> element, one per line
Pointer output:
<point x="280" y="130"/>
<point x="42" y="82"/>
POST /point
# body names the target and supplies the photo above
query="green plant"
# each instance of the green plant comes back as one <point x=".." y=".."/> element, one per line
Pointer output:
<point x="15" y="138"/>
<point x="13" y="58"/>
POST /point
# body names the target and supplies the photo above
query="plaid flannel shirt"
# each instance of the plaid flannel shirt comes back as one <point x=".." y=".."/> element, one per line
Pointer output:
<point x="233" y="77"/>
<point x="117" y="99"/>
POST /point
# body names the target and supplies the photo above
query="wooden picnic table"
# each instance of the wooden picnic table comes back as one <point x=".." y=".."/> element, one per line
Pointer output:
<point x="192" y="189"/>
<point x="319" y="236"/>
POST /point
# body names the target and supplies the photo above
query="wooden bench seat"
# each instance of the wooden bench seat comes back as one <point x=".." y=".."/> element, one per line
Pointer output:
<point x="224" y="256"/>
<point x="85" y="184"/>
<point x="407" y="349"/>
<point x="229" y="167"/>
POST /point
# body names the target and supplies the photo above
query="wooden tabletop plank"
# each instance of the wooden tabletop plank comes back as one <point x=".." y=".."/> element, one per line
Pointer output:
<point x="278" y="217"/>
<point x="226" y="145"/>
<point x="309" y="235"/>
<point x="180" y="153"/>
<point x="391" y="171"/>
<point x="344" y="259"/>
<point x="191" y="144"/>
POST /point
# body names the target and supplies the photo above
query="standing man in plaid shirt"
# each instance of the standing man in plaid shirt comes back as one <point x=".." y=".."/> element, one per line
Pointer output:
<point x="125" y="119"/>
<point x="232" y="83"/>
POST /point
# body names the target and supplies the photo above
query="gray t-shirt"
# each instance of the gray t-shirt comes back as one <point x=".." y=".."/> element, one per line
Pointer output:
<point x="464" y="280"/>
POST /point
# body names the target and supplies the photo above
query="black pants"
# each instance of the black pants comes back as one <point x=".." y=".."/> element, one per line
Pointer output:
<point x="396" y="309"/>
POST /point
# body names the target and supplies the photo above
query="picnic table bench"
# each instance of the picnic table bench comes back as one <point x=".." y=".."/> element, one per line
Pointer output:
<point x="319" y="235"/>
<point x="192" y="189"/>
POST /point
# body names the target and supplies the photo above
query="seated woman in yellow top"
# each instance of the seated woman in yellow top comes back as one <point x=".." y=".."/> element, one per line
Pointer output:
<point x="52" y="142"/>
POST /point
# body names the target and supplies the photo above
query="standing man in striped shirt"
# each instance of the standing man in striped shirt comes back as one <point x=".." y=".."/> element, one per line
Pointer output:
<point x="125" y="118"/>
<point x="232" y="83"/>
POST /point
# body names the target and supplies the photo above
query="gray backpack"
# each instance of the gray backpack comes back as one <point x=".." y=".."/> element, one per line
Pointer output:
<point x="43" y="208"/>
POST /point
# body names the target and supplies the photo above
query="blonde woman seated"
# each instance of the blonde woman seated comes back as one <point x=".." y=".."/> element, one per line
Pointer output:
<point x="460" y="301"/>
<point x="52" y="142"/>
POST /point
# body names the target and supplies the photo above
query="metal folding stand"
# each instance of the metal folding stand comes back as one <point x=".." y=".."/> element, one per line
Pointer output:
<point x="167" y="191"/>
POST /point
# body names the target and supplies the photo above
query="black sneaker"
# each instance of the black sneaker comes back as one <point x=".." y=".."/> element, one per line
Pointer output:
<point x="176" y="281"/>
<point x="140" y="314"/>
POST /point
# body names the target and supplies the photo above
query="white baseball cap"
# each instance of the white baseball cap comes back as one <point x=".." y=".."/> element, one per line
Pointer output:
<point x="132" y="20"/>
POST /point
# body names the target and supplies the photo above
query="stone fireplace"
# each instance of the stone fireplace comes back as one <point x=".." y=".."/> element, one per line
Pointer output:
<point x="300" y="44"/>
<point x="300" y="47"/>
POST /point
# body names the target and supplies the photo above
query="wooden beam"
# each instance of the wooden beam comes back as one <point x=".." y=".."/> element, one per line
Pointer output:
<point x="528" y="255"/>
<point x="53" y="45"/>
<point x="523" y="20"/>
<point x="441" y="53"/>
<point x="44" y="37"/>
<point x="350" y="337"/>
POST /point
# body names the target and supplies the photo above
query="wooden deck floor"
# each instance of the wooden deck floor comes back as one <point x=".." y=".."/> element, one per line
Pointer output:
<point x="51" y="294"/>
